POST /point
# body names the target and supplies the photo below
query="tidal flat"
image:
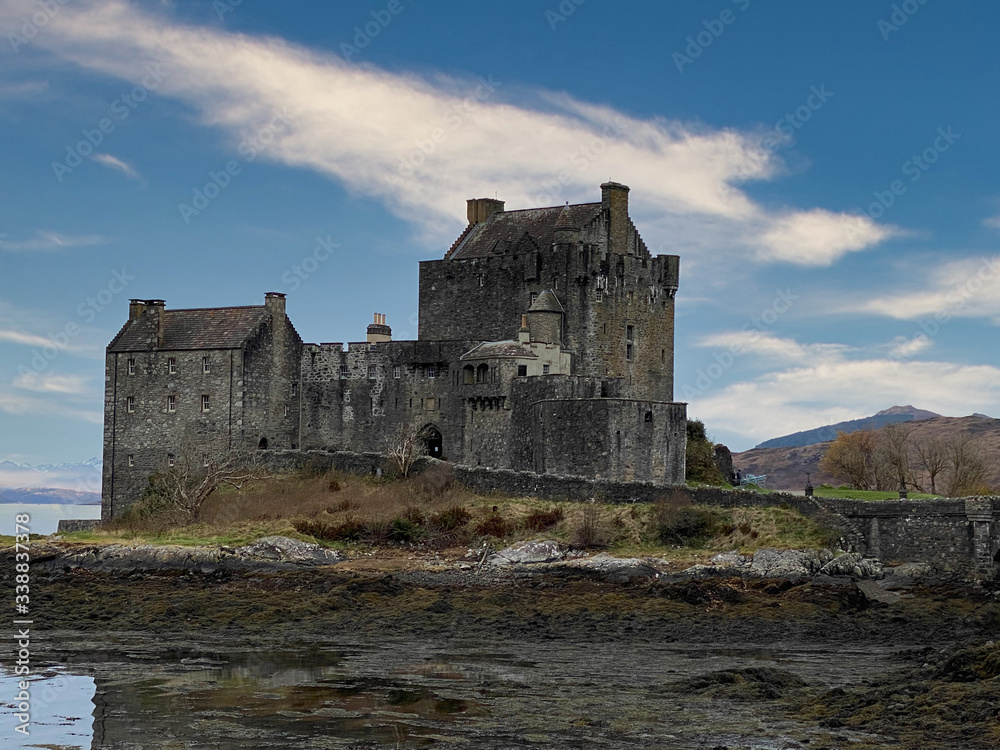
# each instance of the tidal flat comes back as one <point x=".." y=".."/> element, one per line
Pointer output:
<point x="323" y="658"/>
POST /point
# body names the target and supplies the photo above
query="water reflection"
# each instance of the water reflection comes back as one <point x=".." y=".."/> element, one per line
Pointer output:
<point x="60" y="710"/>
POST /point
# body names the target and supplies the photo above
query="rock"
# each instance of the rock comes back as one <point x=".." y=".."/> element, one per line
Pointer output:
<point x="730" y="560"/>
<point x="914" y="571"/>
<point x="853" y="564"/>
<point x="792" y="563"/>
<point x="617" y="569"/>
<point x="527" y="553"/>
<point x="284" y="549"/>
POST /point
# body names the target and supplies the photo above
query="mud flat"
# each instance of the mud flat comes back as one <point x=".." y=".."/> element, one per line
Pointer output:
<point x="447" y="655"/>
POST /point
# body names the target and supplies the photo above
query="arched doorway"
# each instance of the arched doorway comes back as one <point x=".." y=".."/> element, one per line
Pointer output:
<point x="433" y="441"/>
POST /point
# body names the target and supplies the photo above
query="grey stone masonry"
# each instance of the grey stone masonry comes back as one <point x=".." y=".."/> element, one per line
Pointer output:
<point x="545" y="344"/>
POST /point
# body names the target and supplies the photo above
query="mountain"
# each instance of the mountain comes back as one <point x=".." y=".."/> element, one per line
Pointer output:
<point x="40" y="496"/>
<point x="83" y="477"/>
<point x="786" y="466"/>
<point x="892" y="415"/>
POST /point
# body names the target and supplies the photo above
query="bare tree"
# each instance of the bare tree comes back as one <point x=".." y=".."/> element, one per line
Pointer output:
<point x="931" y="456"/>
<point x="967" y="475"/>
<point x="405" y="448"/>
<point x="197" y="469"/>
<point x="893" y="454"/>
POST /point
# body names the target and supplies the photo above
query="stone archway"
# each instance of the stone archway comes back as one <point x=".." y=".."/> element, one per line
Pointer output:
<point x="433" y="441"/>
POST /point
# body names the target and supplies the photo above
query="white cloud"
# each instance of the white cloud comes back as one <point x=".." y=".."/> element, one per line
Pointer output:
<point x="26" y="339"/>
<point x="425" y="145"/>
<point x="766" y="345"/>
<point x="904" y="348"/>
<point x="993" y="221"/>
<point x="968" y="288"/>
<point x="21" y="404"/>
<point x="810" y="377"/>
<point x="819" y="237"/>
<point x="49" y="240"/>
<point x="113" y="162"/>
<point x="51" y="383"/>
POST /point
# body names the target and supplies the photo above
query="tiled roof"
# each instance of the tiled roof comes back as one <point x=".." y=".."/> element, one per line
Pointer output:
<point x="511" y="230"/>
<point x="207" y="328"/>
<point x="499" y="349"/>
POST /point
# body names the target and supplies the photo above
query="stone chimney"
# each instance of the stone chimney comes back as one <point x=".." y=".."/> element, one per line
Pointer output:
<point x="136" y="307"/>
<point x="275" y="304"/>
<point x="524" y="335"/>
<point x="614" y="200"/>
<point x="378" y="331"/>
<point x="156" y="309"/>
<point x="480" y="209"/>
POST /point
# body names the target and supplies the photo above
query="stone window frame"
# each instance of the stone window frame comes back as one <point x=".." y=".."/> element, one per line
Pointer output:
<point x="522" y="371"/>
<point x="206" y="364"/>
<point x="171" y="365"/>
<point x="432" y="371"/>
<point x="344" y="371"/>
<point x="206" y="402"/>
<point x="171" y="460"/>
<point x="545" y="369"/>
<point x="130" y="459"/>
<point x="295" y="389"/>
<point x="372" y="372"/>
<point x="131" y="366"/>
<point x="171" y="403"/>
<point x="397" y="371"/>
<point x="130" y="404"/>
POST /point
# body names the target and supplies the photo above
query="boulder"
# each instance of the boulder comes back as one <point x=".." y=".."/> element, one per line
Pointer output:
<point x="853" y="564"/>
<point x="792" y="563"/>
<point x="527" y="553"/>
<point x="617" y="569"/>
<point x="284" y="549"/>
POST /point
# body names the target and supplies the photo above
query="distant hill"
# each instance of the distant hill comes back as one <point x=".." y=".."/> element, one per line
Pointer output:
<point x="786" y="466"/>
<point x="48" y="496"/>
<point x="84" y="476"/>
<point x="885" y="417"/>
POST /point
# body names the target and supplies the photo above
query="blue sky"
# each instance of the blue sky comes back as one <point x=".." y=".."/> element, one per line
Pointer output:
<point x="825" y="170"/>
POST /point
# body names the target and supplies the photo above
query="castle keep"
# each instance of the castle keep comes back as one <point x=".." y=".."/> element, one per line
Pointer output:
<point x="545" y="344"/>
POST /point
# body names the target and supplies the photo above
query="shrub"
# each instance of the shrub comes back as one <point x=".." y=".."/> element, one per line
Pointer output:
<point x="494" y="526"/>
<point x="334" y="485"/>
<point x="540" y="520"/>
<point x="677" y="521"/>
<point x="589" y="531"/>
<point x="403" y="530"/>
<point x="451" y="518"/>
<point x="348" y="531"/>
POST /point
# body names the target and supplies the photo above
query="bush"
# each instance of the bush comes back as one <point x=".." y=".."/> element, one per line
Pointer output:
<point x="678" y="521"/>
<point x="451" y="518"/>
<point x="494" y="526"/>
<point x="348" y="531"/>
<point x="403" y="530"/>
<point x="589" y="531"/>
<point x="540" y="520"/>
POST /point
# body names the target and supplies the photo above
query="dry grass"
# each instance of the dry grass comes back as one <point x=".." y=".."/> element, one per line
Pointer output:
<point x="434" y="512"/>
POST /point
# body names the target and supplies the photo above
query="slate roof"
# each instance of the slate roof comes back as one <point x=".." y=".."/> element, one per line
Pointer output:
<point x="546" y="302"/>
<point x="512" y="230"/>
<point x="206" y="328"/>
<point x="498" y="350"/>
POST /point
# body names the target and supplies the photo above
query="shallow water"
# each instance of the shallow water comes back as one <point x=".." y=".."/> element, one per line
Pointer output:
<point x="346" y="692"/>
<point x="44" y="518"/>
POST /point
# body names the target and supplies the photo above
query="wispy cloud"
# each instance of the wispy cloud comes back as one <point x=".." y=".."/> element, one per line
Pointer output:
<point x="51" y="383"/>
<point x="113" y="162"/>
<point x="14" y="402"/>
<point x="424" y="145"/>
<point x="46" y="240"/>
<point x="967" y="288"/>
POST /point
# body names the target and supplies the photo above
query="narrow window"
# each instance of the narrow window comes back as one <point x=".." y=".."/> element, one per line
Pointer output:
<point x="600" y="295"/>
<point x="371" y="372"/>
<point x="343" y="372"/>
<point x="628" y="332"/>
<point x="468" y="375"/>
<point x="286" y="410"/>
<point x="170" y="459"/>
<point x="522" y="371"/>
<point x="131" y="367"/>
<point x="130" y="404"/>
<point x="432" y="371"/>
<point x="131" y="460"/>
<point x="295" y="389"/>
<point x="205" y="366"/>
<point x="397" y="371"/>
<point x="545" y="369"/>
<point x="204" y="460"/>
<point x="628" y="351"/>
<point x="171" y="403"/>
<point x="663" y="356"/>
<point x="483" y="373"/>
<point x="534" y="296"/>
<point x="205" y="402"/>
<point x="411" y="403"/>
<point x="172" y="365"/>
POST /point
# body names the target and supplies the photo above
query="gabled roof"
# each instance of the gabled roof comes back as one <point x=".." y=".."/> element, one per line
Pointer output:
<point x="500" y="350"/>
<point x="206" y="328"/>
<point x="507" y="231"/>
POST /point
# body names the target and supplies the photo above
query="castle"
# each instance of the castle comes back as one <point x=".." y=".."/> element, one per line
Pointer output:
<point x="545" y="343"/>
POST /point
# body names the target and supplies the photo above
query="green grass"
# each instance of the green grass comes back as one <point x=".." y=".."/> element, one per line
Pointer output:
<point x="837" y="492"/>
